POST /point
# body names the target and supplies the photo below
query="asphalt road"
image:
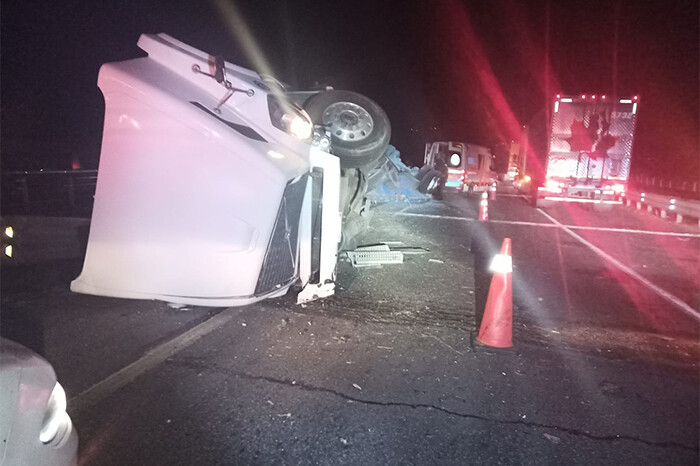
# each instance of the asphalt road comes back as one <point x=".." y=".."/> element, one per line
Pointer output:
<point x="604" y="369"/>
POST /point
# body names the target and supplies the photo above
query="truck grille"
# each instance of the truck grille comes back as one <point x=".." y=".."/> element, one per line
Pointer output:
<point x="279" y="266"/>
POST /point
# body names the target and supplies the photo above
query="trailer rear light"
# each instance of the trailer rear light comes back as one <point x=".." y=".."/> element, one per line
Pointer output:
<point x="583" y="96"/>
<point x="593" y="97"/>
<point x="567" y="100"/>
<point x="556" y="107"/>
<point x="602" y="97"/>
<point x="636" y="97"/>
<point x="625" y="101"/>
<point x="619" y="188"/>
<point x="553" y="184"/>
<point x="634" y="108"/>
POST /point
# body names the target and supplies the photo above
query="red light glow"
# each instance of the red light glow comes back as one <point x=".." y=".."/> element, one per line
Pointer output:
<point x="551" y="184"/>
<point x="583" y="96"/>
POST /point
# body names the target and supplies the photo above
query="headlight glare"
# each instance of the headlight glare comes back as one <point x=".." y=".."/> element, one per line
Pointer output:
<point x="289" y="117"/>
<point x="299" y="127"/>
<point x="55" y="416"/>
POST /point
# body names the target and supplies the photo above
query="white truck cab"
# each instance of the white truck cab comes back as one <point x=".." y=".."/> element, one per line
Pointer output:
<point x="206" y="182"/>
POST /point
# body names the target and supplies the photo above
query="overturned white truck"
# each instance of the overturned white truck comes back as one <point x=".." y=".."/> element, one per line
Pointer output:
<point x="218" y="186"/>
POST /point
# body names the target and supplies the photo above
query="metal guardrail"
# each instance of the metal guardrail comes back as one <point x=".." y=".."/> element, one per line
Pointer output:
<point x="672" y="187"/>
<point x="665" y="206"/>
<point x="58" y="193"/>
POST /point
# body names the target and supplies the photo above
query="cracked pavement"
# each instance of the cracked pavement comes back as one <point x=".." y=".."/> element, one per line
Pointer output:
<point x="287" y="388"/>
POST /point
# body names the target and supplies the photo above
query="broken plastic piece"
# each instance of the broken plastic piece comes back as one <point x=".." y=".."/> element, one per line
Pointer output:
<point x="365" y="258"/>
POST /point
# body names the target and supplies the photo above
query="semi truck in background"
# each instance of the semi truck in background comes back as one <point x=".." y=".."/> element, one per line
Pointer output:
<point x="585" y="152"/>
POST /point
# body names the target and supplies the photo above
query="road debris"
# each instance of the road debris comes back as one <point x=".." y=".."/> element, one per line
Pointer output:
<point x="375" y="254"/>
<point x="552" y="438"/>
<point x="357" y="386"/>
<point x="437" y="261"/>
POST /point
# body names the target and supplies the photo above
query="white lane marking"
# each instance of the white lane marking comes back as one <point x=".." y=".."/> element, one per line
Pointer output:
<point x="150" y="360"/>
<point x="629" y="271"/>
<point x="550" y="225"/>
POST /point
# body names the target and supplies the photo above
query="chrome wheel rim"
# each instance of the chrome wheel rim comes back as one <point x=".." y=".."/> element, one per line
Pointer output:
<point x="348" y="121"/>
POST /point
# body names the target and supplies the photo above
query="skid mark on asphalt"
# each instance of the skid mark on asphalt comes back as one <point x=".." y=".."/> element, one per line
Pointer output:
<point x="555" y="225"/>
<point x="629" y="271"/>
<point x="150" y="360"/>
<point x="296" y="384"/>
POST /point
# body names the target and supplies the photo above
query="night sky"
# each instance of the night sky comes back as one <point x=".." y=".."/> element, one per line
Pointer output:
<point x="445" y="69"/>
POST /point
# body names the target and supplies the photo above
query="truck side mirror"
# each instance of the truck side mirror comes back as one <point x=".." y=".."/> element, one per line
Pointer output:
<point x="219" y="73"/>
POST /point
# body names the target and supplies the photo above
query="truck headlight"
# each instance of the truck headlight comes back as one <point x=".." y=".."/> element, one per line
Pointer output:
<point x="289" y="117"/>
<point x="56" y="420"/>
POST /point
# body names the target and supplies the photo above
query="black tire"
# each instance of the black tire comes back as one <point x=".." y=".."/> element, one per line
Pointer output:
<point x="423" y="170"/>
<point x="439" y="193"/>
<point x="429" y="182"/>
<point x="360" y="130"/>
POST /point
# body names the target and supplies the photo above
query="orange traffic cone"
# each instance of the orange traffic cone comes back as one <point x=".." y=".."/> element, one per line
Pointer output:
<point x="484" y="208"/>
<point x="497" y="325"/>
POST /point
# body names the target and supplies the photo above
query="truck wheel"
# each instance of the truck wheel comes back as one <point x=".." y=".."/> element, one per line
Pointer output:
<point x="423" y="170"/>
<point x="360" y="130"/>
<point x="429" y="182"/>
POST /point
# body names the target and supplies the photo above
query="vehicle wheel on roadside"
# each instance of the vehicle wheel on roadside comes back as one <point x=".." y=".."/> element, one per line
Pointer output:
<point x="423" y="170"/>
<point x="359" y="128"/>
<point x="429" y="182"/>
<point x="439" y="193"/>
